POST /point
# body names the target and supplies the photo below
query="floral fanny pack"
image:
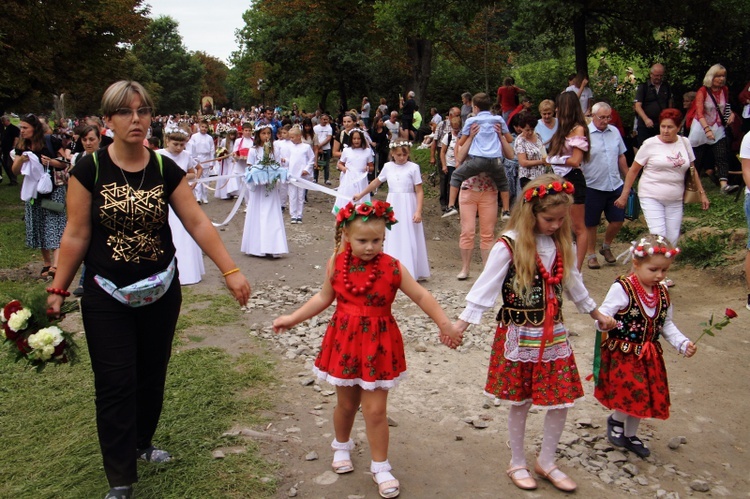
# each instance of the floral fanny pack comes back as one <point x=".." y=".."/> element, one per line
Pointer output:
<point x="143" y="292"/>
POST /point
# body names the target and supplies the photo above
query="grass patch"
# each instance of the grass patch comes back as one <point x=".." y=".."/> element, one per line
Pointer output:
<point x="199" y="309"/>
<point x="50" y="448"/>
<point x="708" y="237"/>
<point x="13" y="250"/>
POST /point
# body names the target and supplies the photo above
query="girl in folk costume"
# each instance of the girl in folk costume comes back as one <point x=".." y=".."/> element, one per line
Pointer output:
<point x="188" y="253"/>
<point x="363" y="352"/>
<point x="225" y="166"/>
<point x="407" y="242"/>
<point x="532" y="361"/>
<point x="240" y="151"/>
<point x="201" y="146"/>
<point x="355" y="162"/>
<point x="632" y="377"/>
<point x="264" y="232"/>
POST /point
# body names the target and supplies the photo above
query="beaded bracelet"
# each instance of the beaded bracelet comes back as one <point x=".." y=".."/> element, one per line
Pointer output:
<point x="229" y="272"/>
<point x="60" y="292"/>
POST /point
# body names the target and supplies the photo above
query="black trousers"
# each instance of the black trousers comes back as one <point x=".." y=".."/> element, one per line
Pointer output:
<point x="7" y="164"/>
<point x="129" y="349"/>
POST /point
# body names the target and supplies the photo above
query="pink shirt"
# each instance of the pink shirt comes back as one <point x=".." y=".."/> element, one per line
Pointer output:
<point x="664" y="167"/>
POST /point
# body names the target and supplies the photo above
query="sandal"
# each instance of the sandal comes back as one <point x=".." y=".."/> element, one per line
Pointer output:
<point x="342" y="462"/>
<point x="388" y="487"/>
<point x="593" y="263"/>
<point x="45" y="272"/>
<point x="154" y="455"/>
<point x="52" y="271"/>
<point x="525" y="483"/>
<point x="564" y="483"/>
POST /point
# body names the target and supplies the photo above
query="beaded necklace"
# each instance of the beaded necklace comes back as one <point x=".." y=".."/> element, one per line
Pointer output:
<point x="358" y="290"/>
<point x="557" y="268"/>
<point x="649" y="301"/>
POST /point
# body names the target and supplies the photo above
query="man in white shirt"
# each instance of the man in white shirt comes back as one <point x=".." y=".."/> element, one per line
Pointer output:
<point x="323" y="136"/>
<point x="202" y="148"/>
<point x="604" y="173"/>
<point x="365" y="112"/>
<point x="393" y="126"/>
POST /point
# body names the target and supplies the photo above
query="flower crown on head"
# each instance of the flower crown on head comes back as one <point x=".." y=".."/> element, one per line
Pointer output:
<point x="262" y="126"/>
<point x="400" y="143"/>
<point x="551" y="188"/>
<point x="169" y="130"/>
<point x="356" y="129"/>
<point x="644" y="248"/>
<point x="377" y="209"/>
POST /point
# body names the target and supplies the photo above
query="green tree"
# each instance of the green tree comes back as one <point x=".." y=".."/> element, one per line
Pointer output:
<point x="214" y="78"/>
<point x="177" y="75"/>
<point x="71" y="47"/>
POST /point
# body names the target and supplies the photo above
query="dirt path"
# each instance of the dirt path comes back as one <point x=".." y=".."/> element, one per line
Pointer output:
<point x="437" y="448"/>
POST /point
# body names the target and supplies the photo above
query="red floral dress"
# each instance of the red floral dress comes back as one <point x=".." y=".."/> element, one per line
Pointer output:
<point x="363" y="344"/>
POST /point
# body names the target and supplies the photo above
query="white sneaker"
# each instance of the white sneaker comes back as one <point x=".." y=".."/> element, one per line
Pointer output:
<point x="506" y="216"/>
<point x="451" y="212"/>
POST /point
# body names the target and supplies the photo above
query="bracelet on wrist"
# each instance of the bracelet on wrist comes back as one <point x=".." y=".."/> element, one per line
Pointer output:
<point x="59" y="292"/>
<point x="230" y="272"/>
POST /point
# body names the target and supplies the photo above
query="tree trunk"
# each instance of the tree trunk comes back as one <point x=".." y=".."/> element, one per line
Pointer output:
<point x="579" y="37"/>
<point x="419" y="57"/>
<point x="342" y="94"/>
<point x="323" y="100"/>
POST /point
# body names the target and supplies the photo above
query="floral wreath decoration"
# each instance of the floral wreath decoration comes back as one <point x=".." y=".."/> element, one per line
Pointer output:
<point x="644" y="248"/>
<point x="551" y="188"/>
<point x="262" y="126"/>
<point x="400" y="143"/>
<point x="30" y="335"/>
<point x="173" y="128"/>
<point x="376" y="209"/>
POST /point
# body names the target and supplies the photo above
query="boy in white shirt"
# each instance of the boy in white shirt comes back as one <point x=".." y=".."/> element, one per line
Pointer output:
<point x="300" y="162"/>
<point x="323" y="136"/>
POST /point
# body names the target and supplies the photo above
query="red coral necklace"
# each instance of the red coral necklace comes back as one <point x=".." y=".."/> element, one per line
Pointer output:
<point x="648" y="300"/>
<point x="557" y="268"/>
<point x="359" y="290"/>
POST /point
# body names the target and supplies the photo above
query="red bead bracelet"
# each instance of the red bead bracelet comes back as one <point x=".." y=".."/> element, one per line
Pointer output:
<point x="61" y="292"/>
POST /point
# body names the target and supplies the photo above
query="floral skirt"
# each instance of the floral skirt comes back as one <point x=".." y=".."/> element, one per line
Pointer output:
<point x="555" y="384"/>
<point x="362" y="351"/>
<point x="635" y="386"/>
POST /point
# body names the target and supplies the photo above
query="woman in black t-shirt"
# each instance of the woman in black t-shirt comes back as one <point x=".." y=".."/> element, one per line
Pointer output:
<point x="117" y="224"/>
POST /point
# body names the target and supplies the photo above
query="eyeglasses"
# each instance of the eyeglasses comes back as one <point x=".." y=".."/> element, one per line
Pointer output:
<point x="603" y="118"/>
<point x="126" y="112"/>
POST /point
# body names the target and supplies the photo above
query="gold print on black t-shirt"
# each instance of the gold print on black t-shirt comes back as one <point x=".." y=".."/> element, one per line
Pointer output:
<point x="133" y="219"/>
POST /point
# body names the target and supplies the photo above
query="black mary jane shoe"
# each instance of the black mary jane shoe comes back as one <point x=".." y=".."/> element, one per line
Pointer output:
<point x="615" y="432"/>
<point x="635" y="445"/>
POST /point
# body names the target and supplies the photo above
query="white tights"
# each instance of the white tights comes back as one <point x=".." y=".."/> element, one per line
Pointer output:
<point x="630" y="422"/>
<point x="554" y="423"/>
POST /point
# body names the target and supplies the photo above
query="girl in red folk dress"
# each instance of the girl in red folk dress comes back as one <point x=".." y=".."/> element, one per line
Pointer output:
<point x="363" y="351"/>
<point x="532" y="362"/>
<point x="632" y="379"/>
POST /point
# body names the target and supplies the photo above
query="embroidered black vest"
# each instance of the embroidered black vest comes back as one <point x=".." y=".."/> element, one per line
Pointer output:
<point x="634" y="326"/>
<point x="516" y="310"/>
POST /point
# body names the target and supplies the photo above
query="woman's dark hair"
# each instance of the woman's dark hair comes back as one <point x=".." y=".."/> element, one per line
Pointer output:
<point x="525" y="119"/>
<point x="569" y="116"/>
<point x="671" y="114"/>
<point x="305" y="133"/>
<point x="88" y="129"/>
<point x="37" y="138"/>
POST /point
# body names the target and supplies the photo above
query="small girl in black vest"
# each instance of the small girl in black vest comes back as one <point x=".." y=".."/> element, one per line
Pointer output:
<point x="532" y="362"/>
<point x="632" y="379"/>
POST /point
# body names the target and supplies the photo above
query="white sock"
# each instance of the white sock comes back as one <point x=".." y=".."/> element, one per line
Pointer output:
<point x="517" y="433"/>
<point x="554" y="424"/>
<point x="631" y="426"/>
<point x="381" y="470"/>
<point x="342" y="450"/>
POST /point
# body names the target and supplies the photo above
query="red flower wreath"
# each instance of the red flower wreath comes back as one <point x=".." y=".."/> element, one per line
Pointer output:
<point x="377" y="209"/>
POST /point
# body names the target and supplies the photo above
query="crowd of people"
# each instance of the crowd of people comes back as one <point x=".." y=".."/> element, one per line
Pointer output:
<point x="126" y="199"/>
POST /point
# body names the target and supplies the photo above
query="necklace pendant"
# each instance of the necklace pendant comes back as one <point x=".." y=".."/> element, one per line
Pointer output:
<point x="132" y="199"/>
